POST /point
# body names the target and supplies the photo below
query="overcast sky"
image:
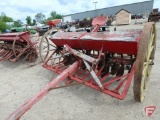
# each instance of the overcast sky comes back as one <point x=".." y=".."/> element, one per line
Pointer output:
<point x="19" y="9"/>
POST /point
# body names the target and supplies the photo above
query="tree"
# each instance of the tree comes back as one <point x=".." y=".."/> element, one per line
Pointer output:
<point x="44" y="21"/>
<point x="5" y="18"/>
<point x="18" y="23"/>
<point x="54" y="15"/>
<point x="34" y="22"/>
<point x="39" y="17"/>
<point x="28" y="19"/>
<point x="3" y="26"/>
<point x="58" y="16"/>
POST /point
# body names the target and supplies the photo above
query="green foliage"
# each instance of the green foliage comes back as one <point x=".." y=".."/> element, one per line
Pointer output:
<point x="54" y="15"/>
<point x="17" y="23"/>
<point x="28" y="19"/>
<point x="34" y="22"/>
<point x="9" y="26"/>
<point x="44" y="21"/>
<point x="3" y="26"/>
<point x="39" y="17"/>
<point x="49" y="18"/>
<point x="5" y="18"/>
<point x="58" y="16"/>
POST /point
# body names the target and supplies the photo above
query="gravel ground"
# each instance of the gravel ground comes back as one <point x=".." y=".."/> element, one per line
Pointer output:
<point x="20" y="82"/>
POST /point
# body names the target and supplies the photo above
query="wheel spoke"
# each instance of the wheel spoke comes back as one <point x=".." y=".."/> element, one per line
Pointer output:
<point x="46" y="46"/>
<point x="49" y="50"/>
<point x="150" y="51"/>
<point x="150" y="46"/>
<point x="145" y="68"/>
<point x="50" y="44"/>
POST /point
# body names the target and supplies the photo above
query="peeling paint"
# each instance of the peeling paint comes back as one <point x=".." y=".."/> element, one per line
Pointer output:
<point x="127" y="35"/>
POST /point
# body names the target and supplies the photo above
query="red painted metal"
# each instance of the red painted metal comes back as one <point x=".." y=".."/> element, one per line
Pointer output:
<point x="114" y="41"/>
<point x="21" y="37"/>
<point x="53" y="23"/>
<point x="96" y="28"/>
<point x="120" y="42"/>
<point x="99" y="20"/>
<point x="16" y="115"/>
<point x="80" y="76"/>
<point x="94" y="56"/>
<point x="17" y="44"/>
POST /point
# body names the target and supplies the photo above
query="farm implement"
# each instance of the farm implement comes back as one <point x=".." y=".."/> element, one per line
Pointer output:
<point x="17" y="45"/>
<point x="104" y="61"/>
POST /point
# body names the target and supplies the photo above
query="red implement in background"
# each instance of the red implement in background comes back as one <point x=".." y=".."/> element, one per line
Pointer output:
<point x="53" y="23"/>
<point x="16" y="45"/>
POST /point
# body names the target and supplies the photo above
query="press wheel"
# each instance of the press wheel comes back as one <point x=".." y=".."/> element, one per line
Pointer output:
<point x="144" y="61"/>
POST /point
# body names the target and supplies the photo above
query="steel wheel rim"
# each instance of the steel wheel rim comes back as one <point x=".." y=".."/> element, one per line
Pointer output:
<point x="147" y="65"/>
<point x="144" y="61"/>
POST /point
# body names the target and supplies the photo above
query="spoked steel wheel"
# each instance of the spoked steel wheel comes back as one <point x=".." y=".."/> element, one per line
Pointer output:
<point x="46" y="46"/>
<point x="144" y="61"/>
<point x="25" y="49"/>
